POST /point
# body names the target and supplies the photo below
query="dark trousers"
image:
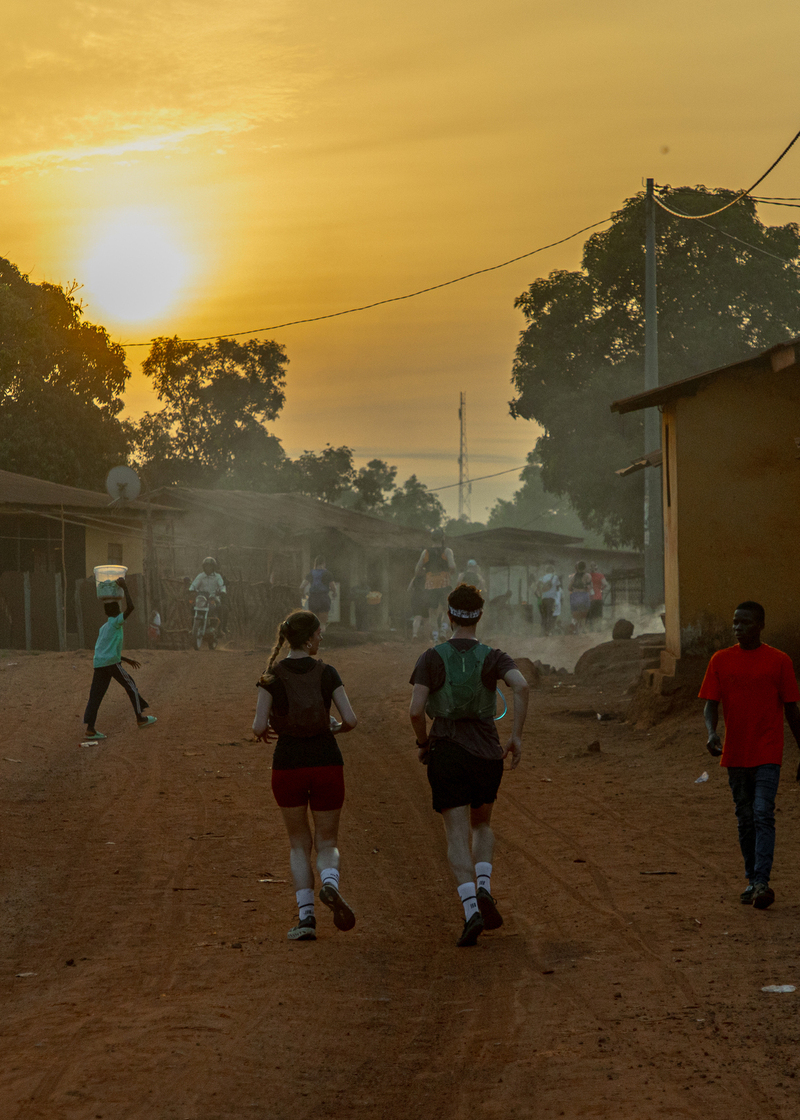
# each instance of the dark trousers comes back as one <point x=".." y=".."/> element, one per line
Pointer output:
<point x="754" y="789"/>
<point x="101" y="680"/>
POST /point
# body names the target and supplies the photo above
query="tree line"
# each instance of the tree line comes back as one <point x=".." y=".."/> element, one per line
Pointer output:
<point x="724" y="288"/>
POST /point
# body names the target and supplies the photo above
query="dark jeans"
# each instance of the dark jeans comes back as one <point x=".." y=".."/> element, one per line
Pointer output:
<point x="754" y="789"/>
<point x="101" y="680"/>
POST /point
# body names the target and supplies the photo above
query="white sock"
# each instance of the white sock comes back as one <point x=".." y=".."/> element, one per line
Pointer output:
<point x="330" y="876"/>
<point x="305" y="902"/>
<point x="466" y="892"/>
<point x="483" y="873"/>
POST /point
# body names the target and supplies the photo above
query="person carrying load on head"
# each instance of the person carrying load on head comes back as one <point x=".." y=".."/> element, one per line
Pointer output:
<point x="108" y="666"/>
<point x="455" y="684"/>
<point x="320" y="588"/>
<point x="438" y="566"/>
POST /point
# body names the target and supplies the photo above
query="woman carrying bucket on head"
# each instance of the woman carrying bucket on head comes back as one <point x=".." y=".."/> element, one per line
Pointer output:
<point x="294" y="701"/>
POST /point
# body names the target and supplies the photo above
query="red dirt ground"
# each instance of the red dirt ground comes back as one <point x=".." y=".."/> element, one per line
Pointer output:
<point x="146" y="973"/>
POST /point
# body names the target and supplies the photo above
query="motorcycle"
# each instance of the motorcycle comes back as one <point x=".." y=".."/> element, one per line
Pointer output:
<point x="206" y="623"/>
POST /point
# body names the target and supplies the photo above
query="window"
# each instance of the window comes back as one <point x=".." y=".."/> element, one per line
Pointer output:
<point x="114" y="553"/>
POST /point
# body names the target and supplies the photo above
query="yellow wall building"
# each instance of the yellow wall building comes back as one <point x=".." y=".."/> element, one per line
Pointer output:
<point x="731" y="496"/>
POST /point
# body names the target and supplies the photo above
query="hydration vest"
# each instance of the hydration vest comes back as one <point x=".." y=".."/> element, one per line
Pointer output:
<point x="306" y="714"/>
<point x="463" y="694"/>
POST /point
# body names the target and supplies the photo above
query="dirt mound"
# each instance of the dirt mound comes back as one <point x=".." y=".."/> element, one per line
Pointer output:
<point x="619" y="660"/>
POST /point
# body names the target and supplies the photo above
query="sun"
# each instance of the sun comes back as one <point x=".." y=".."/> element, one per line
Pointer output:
<point x="136" y="269"/>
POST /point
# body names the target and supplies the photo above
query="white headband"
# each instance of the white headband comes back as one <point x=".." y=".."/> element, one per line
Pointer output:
<point x="464" y="614"/>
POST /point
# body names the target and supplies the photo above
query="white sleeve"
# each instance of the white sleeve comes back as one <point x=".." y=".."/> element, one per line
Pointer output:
<point x="262" y="711"/>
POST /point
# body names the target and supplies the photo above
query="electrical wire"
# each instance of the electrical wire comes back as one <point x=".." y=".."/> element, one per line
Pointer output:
<point x="450" y="485"/>
<point x="391" y="299"/>
<point x="739" y="197"/>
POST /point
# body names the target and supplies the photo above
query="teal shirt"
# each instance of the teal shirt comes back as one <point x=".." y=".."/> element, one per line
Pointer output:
<point x="108" y="647"/>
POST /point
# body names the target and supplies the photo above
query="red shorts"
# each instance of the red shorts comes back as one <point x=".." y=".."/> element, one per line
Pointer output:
<point x="319" y="787"/>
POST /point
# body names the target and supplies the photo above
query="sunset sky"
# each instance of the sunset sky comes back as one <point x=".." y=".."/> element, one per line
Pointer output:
<point x="205" y="168"/>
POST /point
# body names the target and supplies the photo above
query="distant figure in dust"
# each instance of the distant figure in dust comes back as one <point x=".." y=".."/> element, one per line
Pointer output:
<point x="580" y="595"/>
<point x="757" y="687"/>
<point x="438" y="565"/>
<point x="294" y="701"/>
<point x="473" y="577"/>
<point x="599" y="586"/>
<point x="548" y="592"/>
<point x="108" y="666"/>
<point x="455" y="683"/>
<point x="210" y="582"/>
<point x="417" y="604"/>
<point x="321" y="589"/>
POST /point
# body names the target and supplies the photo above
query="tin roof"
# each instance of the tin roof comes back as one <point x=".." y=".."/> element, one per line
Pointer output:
<point x="773" y="359"/>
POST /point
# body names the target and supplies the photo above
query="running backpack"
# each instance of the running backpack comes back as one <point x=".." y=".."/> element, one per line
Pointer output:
<point x="463" y="694"/>
<point x="307" y="714"/>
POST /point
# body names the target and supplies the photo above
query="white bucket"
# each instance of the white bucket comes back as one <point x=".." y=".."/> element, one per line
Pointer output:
<point x="105" y="577"/>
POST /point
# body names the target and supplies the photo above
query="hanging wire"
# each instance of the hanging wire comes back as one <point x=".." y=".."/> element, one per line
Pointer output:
<point x="391" y="299"/>
<point x="739" y="197"/>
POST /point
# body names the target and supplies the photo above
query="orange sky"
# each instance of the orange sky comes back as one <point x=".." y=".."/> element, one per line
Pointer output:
<point x="271" y="161"/>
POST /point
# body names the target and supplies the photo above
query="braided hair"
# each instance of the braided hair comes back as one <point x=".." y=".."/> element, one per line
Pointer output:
<point x="296" y="629"/>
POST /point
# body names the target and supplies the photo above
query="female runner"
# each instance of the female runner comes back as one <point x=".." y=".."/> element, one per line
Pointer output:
<point x="294" y="700"/>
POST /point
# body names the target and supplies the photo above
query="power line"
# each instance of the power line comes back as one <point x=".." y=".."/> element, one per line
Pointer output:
<point x="739" y="197"/>
<point x="391" y="299"/>
<point x="497" y="474"/>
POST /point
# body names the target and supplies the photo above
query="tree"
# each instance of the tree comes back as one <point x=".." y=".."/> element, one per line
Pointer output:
<point x="533" y="508"/>
<point x="325" y="474"/>
<point x="61" y="381"/>
<point x="583" y="345"/>
<point x="412" y="504"/>
<point x="217" y="398"/>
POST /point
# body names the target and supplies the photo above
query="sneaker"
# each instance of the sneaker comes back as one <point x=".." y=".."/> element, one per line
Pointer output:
<point x="148" y="721"/>
<point x="96" y="737"/>
<point x="763" y="896"/>
<point x="492" y="918"/>
<point x="746" y="897"/>
<point x="472" y="930"/>
<point x="343" y="916"/>
<point x="304" y="930"/>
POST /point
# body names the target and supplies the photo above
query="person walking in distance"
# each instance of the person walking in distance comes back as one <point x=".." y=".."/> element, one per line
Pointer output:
<point x="580" y="595"/>
<point x="108" y="666"/>
<point x="320" y="588"/>
<point x="548" y="590"/>
<point x="455" y="684"/>
<point x="438" y="565"/>
<point x="294" y="701"/>
<point x="756" y="686"/>
<point x="600" y="585"/>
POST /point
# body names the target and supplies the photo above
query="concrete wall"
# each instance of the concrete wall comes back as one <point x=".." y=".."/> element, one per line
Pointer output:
<point x="130" y="536"/>
<point x="731" y="501"/>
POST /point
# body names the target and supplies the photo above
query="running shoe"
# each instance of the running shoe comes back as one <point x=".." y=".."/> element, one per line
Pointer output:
<point x="746" y="897"/>
<point x="492" y="918"/>
<point x="472" y="930"/>
<point x="98" y="735"/>
<point x="305" y="930"/>
<point x="343" y="916"/>
<point x="763" y="896"/>
<point x="148" y="721"/>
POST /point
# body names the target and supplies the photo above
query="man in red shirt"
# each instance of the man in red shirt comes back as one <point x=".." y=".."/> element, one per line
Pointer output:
<point x="757" y="687"/>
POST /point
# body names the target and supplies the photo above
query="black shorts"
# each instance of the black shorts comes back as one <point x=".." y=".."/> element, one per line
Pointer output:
<point x="459" y="778"/>
<point x="435" y="597"/>
<point x="319" y="601"/>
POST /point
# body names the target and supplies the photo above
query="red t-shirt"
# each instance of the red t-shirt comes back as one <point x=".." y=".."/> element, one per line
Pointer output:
<point x="753" y="685"/>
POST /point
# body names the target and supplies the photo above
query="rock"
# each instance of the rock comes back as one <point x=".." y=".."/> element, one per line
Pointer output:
<point x="529" y="670"/>
<point x="594" y="748"/>
<point x="622" y="629"/>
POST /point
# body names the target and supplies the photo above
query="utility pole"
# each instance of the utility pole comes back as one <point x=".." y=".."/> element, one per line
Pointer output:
<point x="463" y="461"/>
<point x="653" y="513"/>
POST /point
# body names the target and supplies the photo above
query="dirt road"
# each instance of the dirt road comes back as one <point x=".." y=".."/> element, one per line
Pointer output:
<point x="146" y="973"/>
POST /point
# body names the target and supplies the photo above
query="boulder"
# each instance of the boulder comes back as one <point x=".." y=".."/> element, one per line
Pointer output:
<point x="623" y="630"/>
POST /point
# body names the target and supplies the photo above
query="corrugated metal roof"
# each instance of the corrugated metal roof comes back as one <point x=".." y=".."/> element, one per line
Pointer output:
<point x="21" y="490"/>
<point x="776" y="357"/>
<point x="295" y="514"/>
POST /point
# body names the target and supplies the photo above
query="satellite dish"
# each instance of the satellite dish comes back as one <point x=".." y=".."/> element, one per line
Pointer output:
<point x="122" y="484"/>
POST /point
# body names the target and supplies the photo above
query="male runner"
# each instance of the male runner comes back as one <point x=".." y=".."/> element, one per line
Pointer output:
<point x="455" y="683"/>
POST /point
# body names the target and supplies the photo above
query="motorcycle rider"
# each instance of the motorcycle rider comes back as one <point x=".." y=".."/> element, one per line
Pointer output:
<point x="210" y="582"/>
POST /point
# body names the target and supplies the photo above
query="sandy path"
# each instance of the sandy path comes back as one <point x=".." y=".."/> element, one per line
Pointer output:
<point x="163" y="985"/>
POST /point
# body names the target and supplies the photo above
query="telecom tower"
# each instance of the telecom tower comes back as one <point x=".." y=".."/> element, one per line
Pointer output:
<point x="464" y="484"/>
